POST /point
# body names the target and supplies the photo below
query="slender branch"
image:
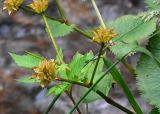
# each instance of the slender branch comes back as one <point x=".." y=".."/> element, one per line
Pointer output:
<point x="61" y="21"/>
<point x="87" y="108"/>
<point x="96" y="66"/>
<point x="52" y="104"/>
<point x="60" y="9"/>
<point x="129" y="67"/>
<point x="82" y="32"/>
<point x="112" y="102"/>
<point x="73" y="101"/>
<point x="52" y="38"/>
<point x="98" y="14"/>
<point x="92" y="87"/>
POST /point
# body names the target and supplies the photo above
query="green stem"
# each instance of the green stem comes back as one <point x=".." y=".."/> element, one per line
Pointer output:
<point x="73" y="101"/>
<point x="87" y="108"/>
<point x="73" y="82"/>
<point x="52" y="103"/>
<point x="96" y="66"/>
<point x="52" y="38"/>
<point x="129" y="67"/>
<point x="98" y="14"/>
<point x="81" y="32"/>
<point x="61" y="21"/>
<point x="59" y="9"/>
<point x="92" y="87"/>
<point x="119" y="79"/>
<point x="110" y="101"/>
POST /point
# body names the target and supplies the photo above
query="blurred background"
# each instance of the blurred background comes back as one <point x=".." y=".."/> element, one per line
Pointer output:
<point x="25" y="32"/>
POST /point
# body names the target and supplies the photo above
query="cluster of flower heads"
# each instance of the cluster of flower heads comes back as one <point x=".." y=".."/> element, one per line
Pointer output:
<point x="103" y="35"/>
<point x="45" y="72"/>
<point x="38" y="6"/>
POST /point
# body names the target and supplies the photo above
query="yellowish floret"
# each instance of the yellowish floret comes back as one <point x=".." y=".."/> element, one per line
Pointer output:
<point x="39" y="6"/>
<point x="103" y="35"/>
<point x="45" y="72"/>
<point x="11" y="5"/>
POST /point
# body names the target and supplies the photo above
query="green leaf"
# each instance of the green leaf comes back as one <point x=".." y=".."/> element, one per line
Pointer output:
<point x="121" y="49"/>
<point x="132" y="29"/>
<point x="27" y="79"/>
<point x="152" y="4"/>
<point x="26" y="61"/>
<point x="131" y="32"/>
<point x="104" y="86"/>
<point x="61" y="69"/>
<point x="119" y="79"/>
<point x="58" y="89"/>
<point x="76" y="65"/>
<point x="154" y="111"/>
<point x="59" y="29"/>
<point x="148" y="74"/>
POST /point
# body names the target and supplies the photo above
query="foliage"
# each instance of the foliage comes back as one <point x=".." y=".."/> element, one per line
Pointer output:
<point x="96" y="73"/>
<point x="131" y="32"/>
<point x="59" y="29"/>
<point x="27" y="79"/>
<point x="148" y="73"/>
<point x="152" y="4"/>
<point x="26" y="61"/>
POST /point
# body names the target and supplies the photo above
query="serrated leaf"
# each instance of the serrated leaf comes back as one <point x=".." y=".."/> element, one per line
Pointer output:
<point x="76" y="65"/>
<point x="131" y="32"/>
<point x="148" y="74"/>
<point x="121" y="49"/>
<point x="62" y="70"/>
<point x="27" y="79"/>
<point x="152" y="4"/>
<point x="26" y="61"/>
<point x="119" y="79"/>
<point x="105" y="84"/>
<point x="58" y="89"/>
<point x="132" y="29"/>
<point x="59" y="29"/>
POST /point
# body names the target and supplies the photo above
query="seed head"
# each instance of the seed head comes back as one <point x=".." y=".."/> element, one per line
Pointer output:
<point x="102" y="35"/>
<point x="39" y="6"/>
<point x="45" y="72"/>
<point x="11" y="5"/>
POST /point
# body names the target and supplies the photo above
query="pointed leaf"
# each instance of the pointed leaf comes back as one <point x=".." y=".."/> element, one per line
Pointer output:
<point x="58" y="89"/>
<point x="27" y="79"/>
<point x="59" y="29"/>
<point x="26" y="61"/>
<point x="148" y="74"/>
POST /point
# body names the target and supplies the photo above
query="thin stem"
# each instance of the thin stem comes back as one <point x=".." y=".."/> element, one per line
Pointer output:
<point x="129" y="67"/>
<point x="73" y="82"/>
<point x="61" y="21"/>
<point x="112" y="102"/>
<point x="98" y="14"/>
<point x="91" y="88"/>
<point x="81" y="32"/>
<point x="52" y="104"/>
<point x="87" y="108"/>
<point x="52" y="38"/>
<point x="73" y="101"/>
<point x="119" y="79"/>
<point x="59" y="9"/>
<point x="96" y="66"/>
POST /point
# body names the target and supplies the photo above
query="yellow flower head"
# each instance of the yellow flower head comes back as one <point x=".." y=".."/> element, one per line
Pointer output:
<point x="102" y="35"/>
<point x="45" y="72"/>
<point x="11" y="5"/>
<point x="39" y="6"/>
